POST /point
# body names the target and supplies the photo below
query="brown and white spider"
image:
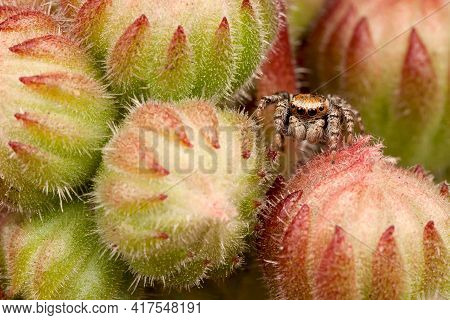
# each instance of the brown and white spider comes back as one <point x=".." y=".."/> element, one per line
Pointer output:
<point x="312" y="117"/>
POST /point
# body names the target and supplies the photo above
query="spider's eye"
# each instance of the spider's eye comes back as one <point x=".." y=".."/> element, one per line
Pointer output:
<point x="321" y="108"/>
<point x="312" y="112"/>
<point x="301" y="111"/>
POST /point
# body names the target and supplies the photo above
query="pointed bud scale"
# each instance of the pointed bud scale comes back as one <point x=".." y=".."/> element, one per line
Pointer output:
<point x="64" y="87"/>
<point x="272" y="227"/>
<point x="89" y="18"/>
<point x="54" y="48"/>
<point x="126" y="54"/>
<point x="204" y="117"/>
<point x="55" y="115"/>
<point x="436" y="272"/>
<point x="181" y="227"/>
<point x="59" y="257"/>
<point x="418" y="86"/>
<point x="22" y="150"/>
<point x="274" y="192"/>
<point x="26" y="20"/>
<point x="214" y="63"/>
<point x="397" y="79"/>
<point x="444" y="190"/>
<point x="387" y="268"/>
<point x="362" y="195"/>
<point x="336" y="277"/>
<point x="163" y="120"/>
<point x="294" y="254"/>
<point x="203" y="49"/>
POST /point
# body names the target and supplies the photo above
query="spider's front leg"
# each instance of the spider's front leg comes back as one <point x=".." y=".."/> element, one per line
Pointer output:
<point x="268" y="100"/>
<point x="280" y="121"/>
<point x="334" y="127"/>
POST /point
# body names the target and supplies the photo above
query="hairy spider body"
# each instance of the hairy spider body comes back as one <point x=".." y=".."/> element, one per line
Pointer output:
<point x="311" y="117"/>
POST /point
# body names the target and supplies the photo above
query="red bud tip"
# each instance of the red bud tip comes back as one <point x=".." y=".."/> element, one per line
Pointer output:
<point x="72" y="84"/>
<point x="122" y="54"/>
<point x="387" y="269"/>
<point x="224" y="26"/>
<point x="275" y="189"/>
<point x="417" y="61"/>
<point x="161" y="119"/>
<point x="161" y="236"/>
<point x="162" y="197"/>
<point x="215" y="144"/>
<point x="21" y="148"/>
<point x="246" y="154"/>
<point x="51" y="46"/>
<point x="179" y="38"/>
<point x="246" y="5"/>
<point x="435" y="258"/>
<point x="25" y="118"/>
<point x="89" y="12"/>
<point x="336" y="276"/>
<point x="444" y="189"/>
<point x="361" y="43"/>
<point x="28" y="20"/>
<point x="272" y="155"/>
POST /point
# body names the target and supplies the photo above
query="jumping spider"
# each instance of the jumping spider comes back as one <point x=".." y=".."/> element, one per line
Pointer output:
<point x="312" y="117"/>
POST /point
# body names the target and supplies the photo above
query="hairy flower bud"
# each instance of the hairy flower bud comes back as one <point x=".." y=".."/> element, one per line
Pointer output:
<point x="352" y="225"/>
<point x="390" y="60"/>
<point x="178" y="190"/>
<point x="58" y="256"/>
<point x="54" y="114"/>
<point x="172" y="50"/>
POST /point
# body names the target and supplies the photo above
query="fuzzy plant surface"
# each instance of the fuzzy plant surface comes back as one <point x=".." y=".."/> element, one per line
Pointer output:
<point x="395" y="74"/>
<point x="301" y="15"/>
<point x="172" y="50"/>
<point x="353" y="225"/>
<point x="178" y="189"/>
<point x="54" y="114"/>
<point x="59" y="256"/>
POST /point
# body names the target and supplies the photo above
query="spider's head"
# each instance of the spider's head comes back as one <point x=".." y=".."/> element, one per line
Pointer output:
<point x="309" y="106"/>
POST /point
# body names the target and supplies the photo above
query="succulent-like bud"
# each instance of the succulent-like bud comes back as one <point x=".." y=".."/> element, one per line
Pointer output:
<point x="393" y="69"/>
<point x="178" y="190"/>
<point x="352" y="225"/>
<point x="54" y="114"/>
<point x="168" y="50"/>
<point x="59" y="256"/>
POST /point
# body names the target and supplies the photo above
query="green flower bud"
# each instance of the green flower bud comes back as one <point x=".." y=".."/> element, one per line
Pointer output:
<point x="178" y="190"/>
<point x="171" y="50"/>
<point x="54" y="115"/>
<point x="59" y="256"/>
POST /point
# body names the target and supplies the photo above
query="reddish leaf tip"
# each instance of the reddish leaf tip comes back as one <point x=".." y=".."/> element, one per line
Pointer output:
<point x="336" y="276"/>
<point x="443" y="190"/>
<point x="417" y="60"/>
<point x="161" y="236"/>
<point x="25" y="117"/>
<point x="224" y="25"/>
<point x="246" y="154"/>
<point x="21" y="148"/>
<point x="246" y="5"/>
